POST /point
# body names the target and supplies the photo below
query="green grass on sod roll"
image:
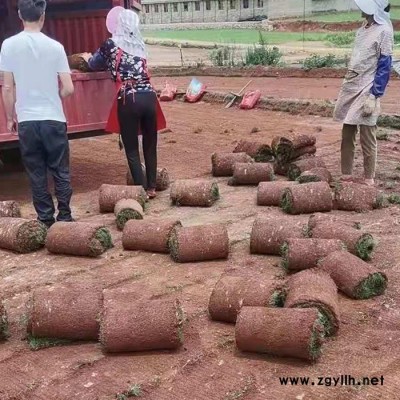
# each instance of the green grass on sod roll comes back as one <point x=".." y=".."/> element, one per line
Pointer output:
<point x="278" y="298"/>
<point x="325" y="316"/>
<point x="215" y="192"/>
<point x="307" y="231"/>
<point x="365" y="247"/>
<point x="125" y="215"/>
<point x="294" y="172"/>
<point x="101" y="242"/>
<point x="308" y="179"/>
<point x="284" y="153"/>
<point x="317" y="337"/>
<point x="381" y="201"/>
<point x="264" y="154"/>
<point x="173" y="245"/>
<point x="31" y="236"/>
<point x="394" y="198"/>
<point x="284" y="255"/>
<point x="287" y="201"/>
<point x="180" y="315"/>
<point x="45" y="343"/>
<point x="3" y="326"/>
<point x="372" y="286"/>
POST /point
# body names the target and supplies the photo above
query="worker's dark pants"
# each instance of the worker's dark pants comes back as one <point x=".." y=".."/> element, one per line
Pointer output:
<point x="134" y="113"/>
<point x="44" y="147"/>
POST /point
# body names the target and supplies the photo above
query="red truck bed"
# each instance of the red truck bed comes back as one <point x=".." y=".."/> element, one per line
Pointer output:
<point x="79" y="30"/>
<point x="86" y="111"/>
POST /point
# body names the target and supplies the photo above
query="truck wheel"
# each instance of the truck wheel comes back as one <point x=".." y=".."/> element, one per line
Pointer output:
<point x="10" y="160"/>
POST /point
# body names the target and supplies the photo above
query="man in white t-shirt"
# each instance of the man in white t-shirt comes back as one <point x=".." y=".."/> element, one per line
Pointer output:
<point x="32" y="65"/>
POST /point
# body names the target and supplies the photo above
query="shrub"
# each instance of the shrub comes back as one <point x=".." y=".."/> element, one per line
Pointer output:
<point x="341" y="39"/>
<point x="316" y="61"/>
<point x="223" y="57"/>
<point x="262" y="54"/>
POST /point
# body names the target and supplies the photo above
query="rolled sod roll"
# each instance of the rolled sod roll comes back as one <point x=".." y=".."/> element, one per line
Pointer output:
<point x="194" y="193"/>
<point x="357" y="197"/>
<point x="232" y="292"/>
<point x="126" y="210"/>
<point x="281" y="169"/>
<point x="324" y="217"/>
<point x="353" y="276"/>
<point x="110" y="195"/>
<point x="78" y="239"/>
<point x="288" y="149"/>
<point x="251" y="174"/>
<point x="22" y="235"/>
<point x="145" y="235"/>
<point x="162" y="183"/>
<point x="223" y="163"/>
<point x="298" y="167"/>
<point x="270" y="193"/>
<point x="303" y="152"/>
<point x="358" y="242"/>
<point x="300" y="254"/>
<point x="199" y="243"/>
<point x="76" y="61"/>
<point x="131" y="325"/>
<point x="315" y="175"/>
<point x="314" y="288"/>
<point x="261" y="152"/>
<point x="9" y="208"/>
<point x="307" y="198"/>
<point x="269" y="234"/>
<point x="68" y="311"/>
<point x="284" y="332"/>
<point x="3" y="322"/>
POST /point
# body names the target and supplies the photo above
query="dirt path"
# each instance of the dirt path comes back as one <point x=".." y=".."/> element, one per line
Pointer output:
<point x="293" y="52"/>
<point x="289" y="88"/>
<point x="209" y="366"/>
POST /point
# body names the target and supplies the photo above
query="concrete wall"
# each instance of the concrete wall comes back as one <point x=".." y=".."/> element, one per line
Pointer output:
<point x="177" y="11"/>
<point x="184" y="26"/>
<point x="220" y="11"/>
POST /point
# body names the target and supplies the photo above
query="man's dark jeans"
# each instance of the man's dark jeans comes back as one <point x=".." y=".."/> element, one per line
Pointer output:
<point x="44" y="147"/>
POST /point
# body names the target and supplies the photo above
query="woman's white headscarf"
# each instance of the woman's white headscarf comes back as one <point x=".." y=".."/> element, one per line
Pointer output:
<point x="377" y="9"/>
<point x="127" y="35"/>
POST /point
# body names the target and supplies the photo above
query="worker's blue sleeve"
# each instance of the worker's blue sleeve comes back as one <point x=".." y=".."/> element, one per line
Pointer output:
<point x="97" y="62"/>
<point x="382" y="76"/>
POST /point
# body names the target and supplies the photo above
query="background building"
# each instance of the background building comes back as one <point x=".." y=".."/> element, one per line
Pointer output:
<point x="175" y="11"/>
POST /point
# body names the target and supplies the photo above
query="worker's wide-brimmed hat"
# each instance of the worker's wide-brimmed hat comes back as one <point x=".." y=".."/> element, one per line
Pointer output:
<point x="123" y="24"/>
<point x="112" y="19"/>
<point x="375" y="8"/>
<point x="366" y="6"/>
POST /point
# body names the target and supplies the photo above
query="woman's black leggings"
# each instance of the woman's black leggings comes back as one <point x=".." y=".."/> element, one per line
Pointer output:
<point x="136" y="113"/>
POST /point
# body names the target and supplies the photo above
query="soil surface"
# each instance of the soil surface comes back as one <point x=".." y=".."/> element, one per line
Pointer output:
<point x="316" y="26"/>
<point x="208" y="366"/>
<point x="286" y="88"/>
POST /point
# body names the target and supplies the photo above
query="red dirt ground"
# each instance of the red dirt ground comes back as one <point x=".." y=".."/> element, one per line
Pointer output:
<point x="315" y="26"/>
<point x="287" y="88"/>
<point x="208" y="366"/>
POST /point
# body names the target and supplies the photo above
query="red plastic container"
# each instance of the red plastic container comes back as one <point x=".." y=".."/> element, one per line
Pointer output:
<point x="195" y="91"/>
<point x="250" y="99"/>
<point x="168" y="93"/>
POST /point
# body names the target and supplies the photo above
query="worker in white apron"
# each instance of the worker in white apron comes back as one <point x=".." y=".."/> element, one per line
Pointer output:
<point x="358" y="105"/>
